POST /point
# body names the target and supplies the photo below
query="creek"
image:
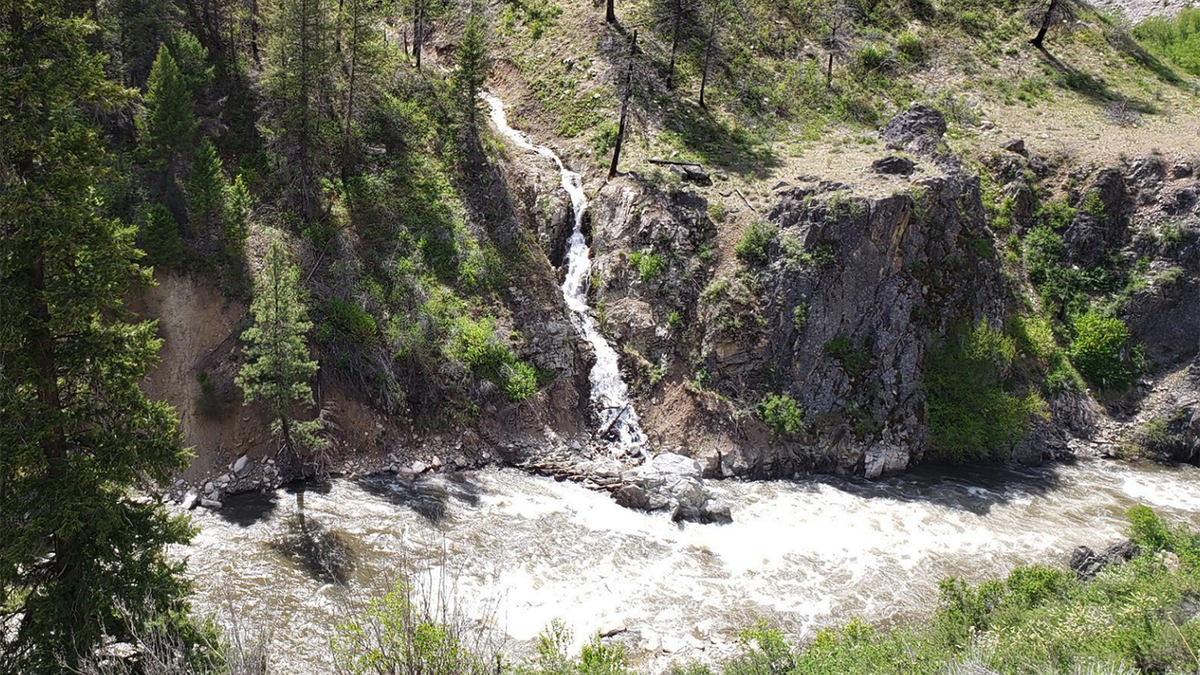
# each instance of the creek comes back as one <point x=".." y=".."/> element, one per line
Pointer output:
<point x="520" y="551"/>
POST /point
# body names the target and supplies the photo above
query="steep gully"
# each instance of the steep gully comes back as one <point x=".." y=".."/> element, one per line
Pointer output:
<point x="609" y="394"/>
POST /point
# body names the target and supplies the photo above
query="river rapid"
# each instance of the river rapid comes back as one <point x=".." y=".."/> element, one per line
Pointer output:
<point x="519" y="551"/>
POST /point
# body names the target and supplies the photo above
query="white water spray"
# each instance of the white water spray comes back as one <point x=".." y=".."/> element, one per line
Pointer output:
<point x="610" y="396"/>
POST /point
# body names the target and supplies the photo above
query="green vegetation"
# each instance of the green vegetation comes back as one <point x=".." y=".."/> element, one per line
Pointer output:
<point x="853" y="359"/>
<point x="278" y="368"/>
<point x="82" y="556"/>
<point x="1176" y="38"/>
<point x="160" y="237"/>
<point x="973" y="415"/>
<point x="782" y="415"/>
<point x="476" y="345"/>
<point x="649" y="266"/>
<point x="1098" y="350"/>
<point x="752" y="250"/>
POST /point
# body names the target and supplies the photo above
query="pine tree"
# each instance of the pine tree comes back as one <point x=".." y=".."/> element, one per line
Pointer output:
<point x="278" y="367"/>
<point x="474" y="66"/>
<point x="297" y="78"/>
<point x="362" y="60"/>
<point x="238" y="205"/>
<point x="168" y="128"/>
<point x="78" y="434"/>
<point x="206" y="192"/>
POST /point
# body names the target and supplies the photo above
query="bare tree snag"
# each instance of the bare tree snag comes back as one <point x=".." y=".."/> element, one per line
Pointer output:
<point x="616" y="158"/>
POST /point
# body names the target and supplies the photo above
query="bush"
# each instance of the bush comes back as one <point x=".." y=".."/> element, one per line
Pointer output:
<point x="782" y="415"/>
<point x="1098" y="349"/>
<point x="1177" y="39"/>
<point x="475" y="344"/>
<point x="160" y="237"/>
<point x="911" y="48"/>
<point x="648" y="265"/>
<point x="752" y="250"/>
<point x="352" y="321"/>
<point x="872" y="58"/>
<point x="971" y="415"/>
<point x="852" y="360"/>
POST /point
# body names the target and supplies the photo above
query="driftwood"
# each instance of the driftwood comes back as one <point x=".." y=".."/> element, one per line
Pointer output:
<point x="611" y="423"/>
<point x="667" y="162"/>
<point x="739" y="193"/>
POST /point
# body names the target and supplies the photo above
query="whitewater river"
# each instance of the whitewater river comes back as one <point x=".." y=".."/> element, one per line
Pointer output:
<point x="520" y="551"/>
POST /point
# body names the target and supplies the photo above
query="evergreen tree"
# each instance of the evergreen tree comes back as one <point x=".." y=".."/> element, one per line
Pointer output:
<point x="160" y="236"/>
<point x="238" y="205"/>
<point x="168" y="128"/>
<point x="206" y="192"/>
<point x="278" y="368"/>
<point x="297" y="80"/>
<point x="362" y="61"/>
<point x="78" y="551"/>
<point x="474" y="66"/>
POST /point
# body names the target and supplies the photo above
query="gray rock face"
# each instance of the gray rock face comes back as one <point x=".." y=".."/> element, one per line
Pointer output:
<point x="917" y="124"/>
<point x="1102" y="224"/>
<point x="901" y="271"/>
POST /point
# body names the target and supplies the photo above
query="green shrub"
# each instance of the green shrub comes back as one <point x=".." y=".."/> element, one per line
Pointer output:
<point x="1178" y="39"/>
<point x="1149" y="531"/>
<point x="354" y="322"/>
<point x="911" y="48"/>
<point x="752" y="250"/>
<point x="475" y="344"/>
<point x="648" y="265"/>
<point x="971" y="415"/>
<point x="853" y="360"/>
<point x="872" y="58"/>
<point x="782" y="415"/>
<point x="1098" y="350"/>
<point x="160" y="237"/>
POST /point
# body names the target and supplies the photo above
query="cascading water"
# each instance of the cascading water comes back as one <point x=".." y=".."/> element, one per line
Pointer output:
<point x="609" y="395"/>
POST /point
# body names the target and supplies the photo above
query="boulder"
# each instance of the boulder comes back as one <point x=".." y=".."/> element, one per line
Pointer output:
<point x="913" y="124"/>
<point x="1016" y="145"/>
<point x="893" y="165"/>
<point x="1087" y="563"/>
<point x="190" y="499"/>
<point x="243" y="466"/>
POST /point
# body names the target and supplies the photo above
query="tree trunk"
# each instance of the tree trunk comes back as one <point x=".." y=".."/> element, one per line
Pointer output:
<point x="674" y="44"/>
<point x="616" y="158"/>
<point x="254" y="33"/>
<point x="1046" y="19"/>
<point x="829" y="67"/>
<point x="712" y="32"/>
<point x="610" y="15"/>
<point x="304" y="99"/>
<point x="418" y="19"/>
<point x="356" y="7"/>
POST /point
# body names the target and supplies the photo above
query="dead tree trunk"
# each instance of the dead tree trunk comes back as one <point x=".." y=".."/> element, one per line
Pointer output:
<point x="674" y="44"/>
<point x="616" y="158"/>
<point x="610" y="14"/>
<point x="712" y="33"/>
<point x="1046" y="19"/>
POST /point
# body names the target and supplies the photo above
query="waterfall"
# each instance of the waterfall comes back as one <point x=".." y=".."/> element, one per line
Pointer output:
<point x="609" y="395"/>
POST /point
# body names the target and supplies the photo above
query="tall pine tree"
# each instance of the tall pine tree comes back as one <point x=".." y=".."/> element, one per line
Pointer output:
<point x="167" y="129"/>
<point x="473" y="66"/>
<point x="79" y="555"/>
<point x="206" y="192"/>
<point x="363" y="50"/>
<point x="278" y="368"/>
<point x="297" y="79"/>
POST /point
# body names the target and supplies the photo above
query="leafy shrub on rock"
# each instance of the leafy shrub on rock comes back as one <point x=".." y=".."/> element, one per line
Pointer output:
<point x="1098" y="350"/>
